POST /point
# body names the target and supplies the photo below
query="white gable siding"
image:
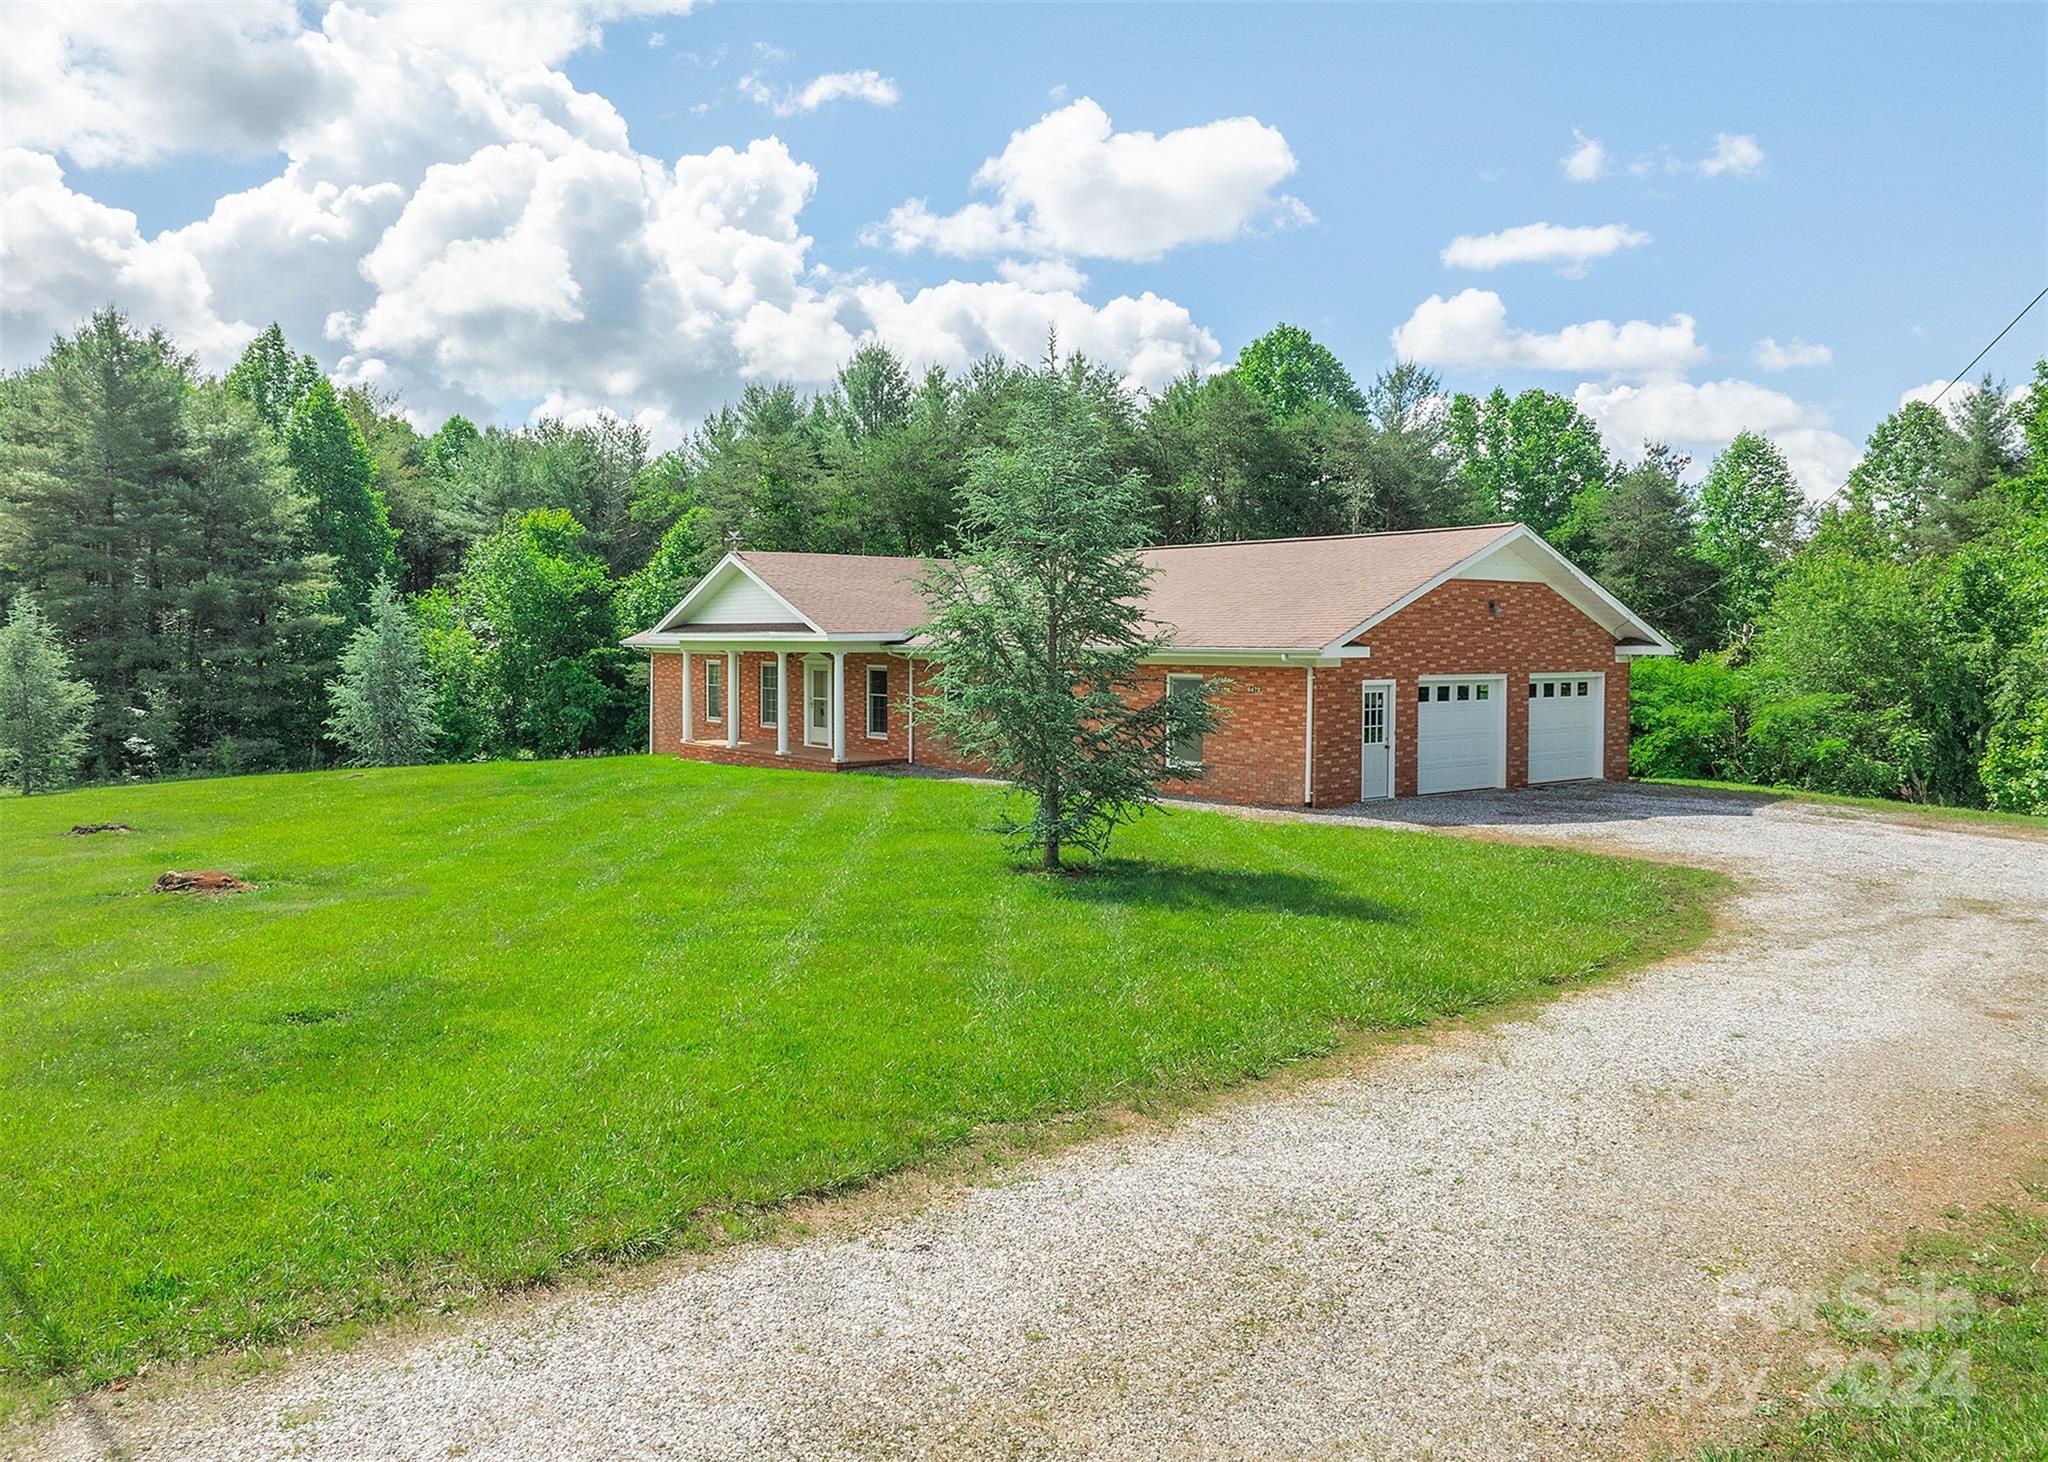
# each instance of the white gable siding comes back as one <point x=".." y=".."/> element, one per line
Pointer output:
<point x="739" y="600"/>
<point x="1520" y="563"/>
<point x="1511" y="562"/>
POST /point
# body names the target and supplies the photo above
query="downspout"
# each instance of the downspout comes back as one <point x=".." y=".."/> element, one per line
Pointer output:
<point x="910" y="710"/>
<point x="1308" y="745"/>
<point x="650" y="705"/>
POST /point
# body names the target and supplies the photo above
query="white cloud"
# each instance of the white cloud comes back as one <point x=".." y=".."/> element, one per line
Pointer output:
<point x="1471" y="329"/>
<point x="1541" y="243"/>
<point x="862" y="86"/>
<point x="1795" y="352"/>
<point x="1735" y="153"/>
<point x="63" y="255"/>
<point x="1703" y="417"/>
<point x="1041" y="273"/>
<point x="1929" y="391"/>
<point x="1071" y="186"/>
<point x="1586" y="161"/>
<point x="468" y="228"/>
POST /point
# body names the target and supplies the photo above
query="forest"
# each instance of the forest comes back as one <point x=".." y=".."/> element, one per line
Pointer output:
<point x="268" y="570"/>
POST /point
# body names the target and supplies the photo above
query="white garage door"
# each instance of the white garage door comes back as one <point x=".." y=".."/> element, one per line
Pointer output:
<point x="1460" y="734"/>
<point x="1564" y="727"/>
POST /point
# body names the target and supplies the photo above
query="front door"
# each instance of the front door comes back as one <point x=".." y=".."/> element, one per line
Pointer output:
<point x="1376" y="742"/>
<point x="817" y="705"/>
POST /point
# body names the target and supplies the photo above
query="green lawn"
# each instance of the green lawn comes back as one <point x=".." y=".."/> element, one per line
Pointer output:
<point x="1967" y="1378"/>
<point x="481" y="1023"/>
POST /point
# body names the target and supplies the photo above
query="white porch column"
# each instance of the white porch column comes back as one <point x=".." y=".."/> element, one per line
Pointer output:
<point x="732" y="697"/>
<point x="782" y="703"/>
<point x="839" y="705"/>
<point x="910" y="710"/>
<point x="686" y="696"/>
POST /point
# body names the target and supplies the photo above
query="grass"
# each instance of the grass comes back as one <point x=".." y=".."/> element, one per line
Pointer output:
<point x="1980" y="1345"/>
<point x="1929" y="811"/>
<point x="481" y="1024"/>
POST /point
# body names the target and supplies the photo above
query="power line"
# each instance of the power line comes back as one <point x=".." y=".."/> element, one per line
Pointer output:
<point x="1987" y="349"/>
<point x="1959" y="374"/>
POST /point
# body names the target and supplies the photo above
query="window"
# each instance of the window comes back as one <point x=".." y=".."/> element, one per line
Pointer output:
<point x="1374" y="731"/>
<point x="1582" y="687"/>
<point x="1183" y="748"/>
<point x="1464" y="692"/>
<point x="1532" y="690"/>
<point x="1479" y="691"/>
<point x="1422" y="694"/>
<point x="878" y="700"/>
<point x="1443" y="692"/>
<point x="1549" y="689"/>
<point x="714" y="690"/>
<point x="771" y="694"/>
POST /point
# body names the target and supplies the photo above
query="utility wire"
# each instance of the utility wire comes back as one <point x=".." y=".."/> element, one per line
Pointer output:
<point x="1958" y="376"/>
<point x="1987" y="349"/>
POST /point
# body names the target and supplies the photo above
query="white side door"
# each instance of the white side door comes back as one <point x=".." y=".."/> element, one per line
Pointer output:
<point x="1567" y="722"/>
<point x="1376" y="741"/>
<point x="1461" y="734"/>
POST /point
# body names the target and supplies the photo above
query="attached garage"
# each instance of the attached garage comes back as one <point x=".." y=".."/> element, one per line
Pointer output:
<point x="1566" y="726"/>
<point x="1461" y="739"/>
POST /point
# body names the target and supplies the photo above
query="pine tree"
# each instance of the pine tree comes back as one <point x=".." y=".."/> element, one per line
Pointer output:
<point x="1648" y="555"/>
<point x="91" y="446"/>
<point x="1039" y="632"/>
<point x="45" y="715"/>
<point x="383" y="702"/>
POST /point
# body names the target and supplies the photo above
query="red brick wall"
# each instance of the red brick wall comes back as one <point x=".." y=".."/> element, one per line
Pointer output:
<point x="1256" y="755"/>
<point x="668" y="702"/>
<point x="1452" y="630"/>
<point x="897" y="743"/>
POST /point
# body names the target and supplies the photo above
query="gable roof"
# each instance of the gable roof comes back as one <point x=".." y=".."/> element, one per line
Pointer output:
<point x="1280" y="595"/>
<point x="1298" y="593"/>
<point x="847" y="594"/>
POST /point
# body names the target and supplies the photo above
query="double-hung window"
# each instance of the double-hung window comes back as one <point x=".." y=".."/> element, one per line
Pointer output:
<point x="771" y="695"/>
<point x="714" y="689"/>
<point x="1183" y="744"/>
<point x="878" y="701"/>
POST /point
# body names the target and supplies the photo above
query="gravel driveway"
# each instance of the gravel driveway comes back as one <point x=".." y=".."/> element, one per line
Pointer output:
<point x="1387" y="1260"/>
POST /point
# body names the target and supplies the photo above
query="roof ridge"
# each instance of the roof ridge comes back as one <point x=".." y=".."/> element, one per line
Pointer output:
<point x="1334" y="537"/>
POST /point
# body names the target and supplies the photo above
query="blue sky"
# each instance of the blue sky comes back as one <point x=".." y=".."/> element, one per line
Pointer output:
<point x="505" y="211"/>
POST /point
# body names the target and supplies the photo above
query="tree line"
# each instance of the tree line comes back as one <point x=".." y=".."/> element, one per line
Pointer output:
<point x="267" y="571"/>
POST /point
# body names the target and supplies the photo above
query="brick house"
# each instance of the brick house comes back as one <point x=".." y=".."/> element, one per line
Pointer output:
<point x="1362" y="666"/>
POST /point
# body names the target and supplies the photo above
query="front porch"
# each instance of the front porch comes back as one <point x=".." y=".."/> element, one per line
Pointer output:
<point x="761" y="752"/>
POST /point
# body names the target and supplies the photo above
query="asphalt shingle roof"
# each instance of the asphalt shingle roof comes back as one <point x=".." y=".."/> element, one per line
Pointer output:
<point x="1276" y="594"/>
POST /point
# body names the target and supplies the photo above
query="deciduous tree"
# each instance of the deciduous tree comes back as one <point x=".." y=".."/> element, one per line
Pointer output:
<point x="1749" y="513"/>
<point x="45" y="715"/>
<point x="1533" y="458"/>
<point x="347" y="518"/>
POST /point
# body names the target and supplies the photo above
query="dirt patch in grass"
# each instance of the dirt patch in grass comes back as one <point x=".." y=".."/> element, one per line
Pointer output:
<point x="87" y="829"/>
<point x="203" y="882"/>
